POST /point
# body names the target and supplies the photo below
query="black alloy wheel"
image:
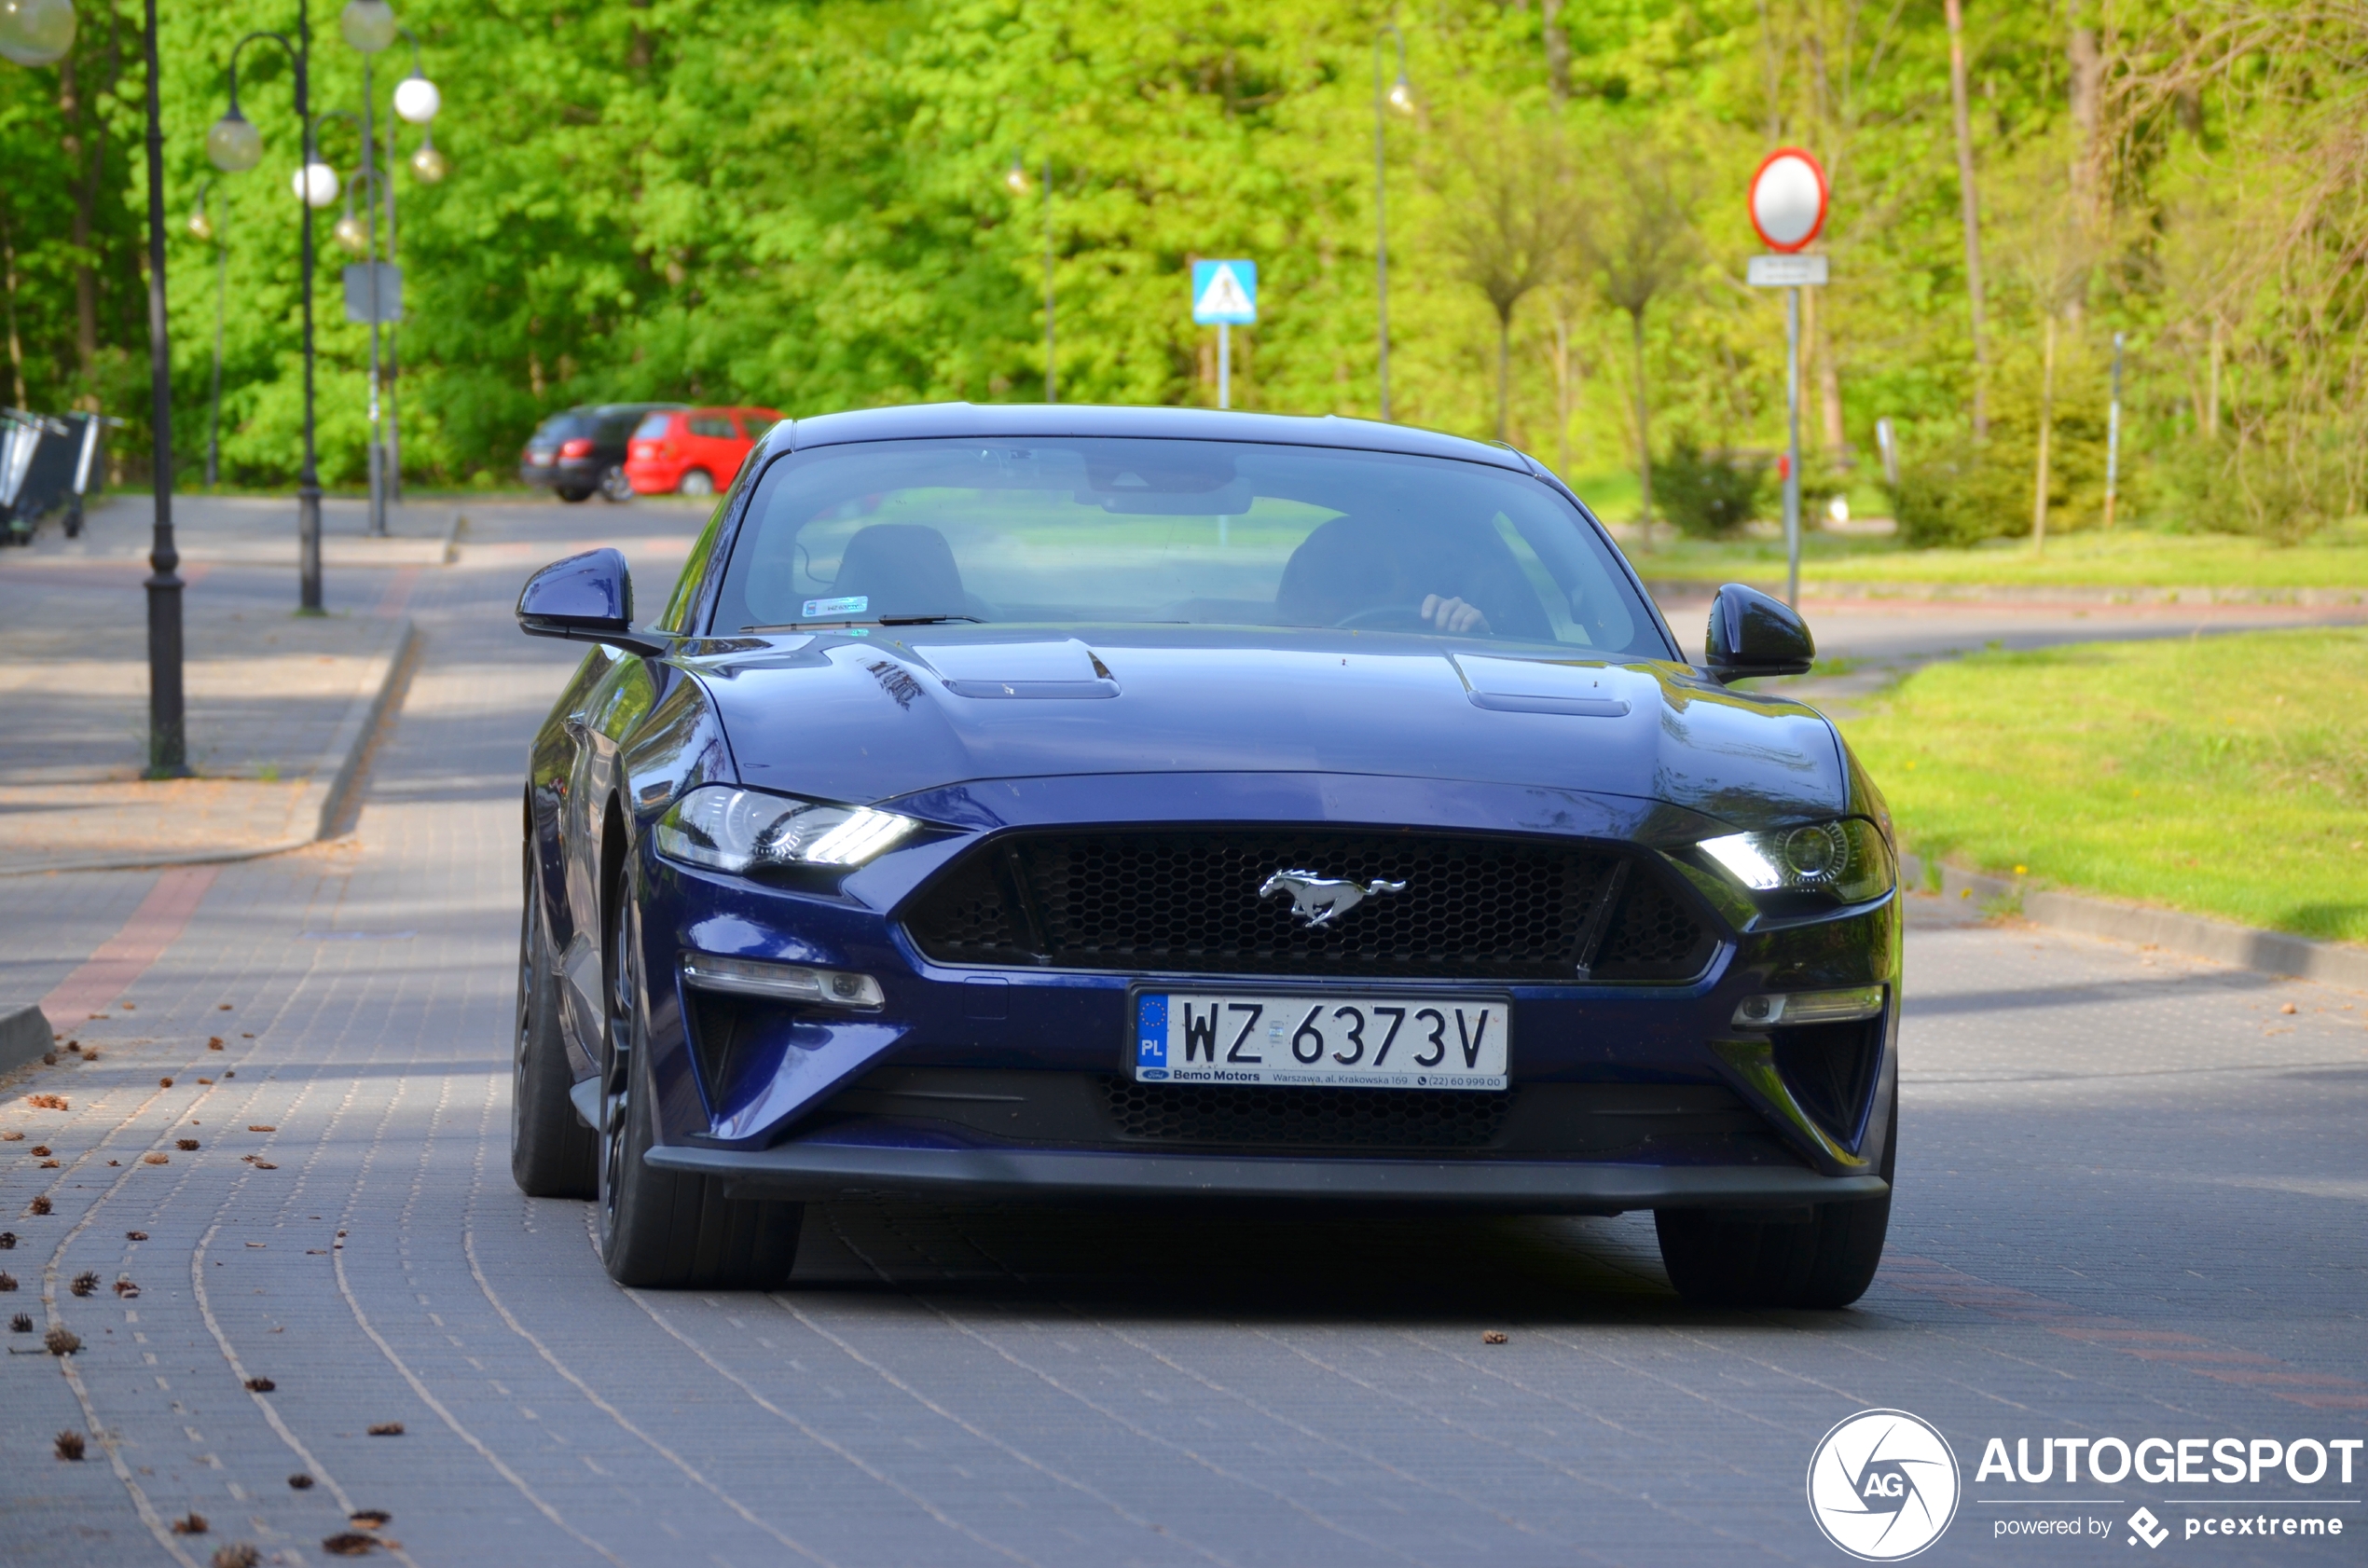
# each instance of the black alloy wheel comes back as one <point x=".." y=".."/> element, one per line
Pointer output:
<point x="551" y="1149"/>
<point x="615" y="486"/>
<point x="1727" y="1259"/>
<point x="669" y="1228"/>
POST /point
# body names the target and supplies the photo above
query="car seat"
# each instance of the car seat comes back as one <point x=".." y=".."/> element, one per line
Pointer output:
<point x="904" y="569"/>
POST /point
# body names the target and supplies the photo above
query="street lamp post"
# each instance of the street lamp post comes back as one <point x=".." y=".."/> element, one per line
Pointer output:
<point x="369" y="26"/>
<point x="416" y="100"/>
<point x="202" y="223"/>
<point x="41" y="33"/>
<point x="1401" y="98"/>
<point x="235" y="145"/>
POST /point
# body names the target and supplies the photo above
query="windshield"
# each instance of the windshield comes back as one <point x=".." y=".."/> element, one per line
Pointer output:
<point x="1193" y="533"/>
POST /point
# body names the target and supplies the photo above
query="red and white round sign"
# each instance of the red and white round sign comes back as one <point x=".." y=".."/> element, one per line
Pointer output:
<point x="1789" y="198"/>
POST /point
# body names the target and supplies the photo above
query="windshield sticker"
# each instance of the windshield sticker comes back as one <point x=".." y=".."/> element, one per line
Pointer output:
<point x="824" y="608"/>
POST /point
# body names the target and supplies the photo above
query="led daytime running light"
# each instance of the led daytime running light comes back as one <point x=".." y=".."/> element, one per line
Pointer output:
<point x="1847" y="860"/>
<point x="759" y="977"/>
<point x="741" y="830"/>
<point x="1795" y="1009"/>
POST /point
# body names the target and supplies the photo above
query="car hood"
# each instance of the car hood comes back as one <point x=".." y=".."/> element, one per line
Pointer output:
<point x="903" y="710"/>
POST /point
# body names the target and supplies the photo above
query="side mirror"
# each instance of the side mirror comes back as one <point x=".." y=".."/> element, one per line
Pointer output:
<point x="587" y="599"/>
<point x="1753" y="634"/>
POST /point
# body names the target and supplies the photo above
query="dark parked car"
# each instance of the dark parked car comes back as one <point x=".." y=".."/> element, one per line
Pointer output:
<point x="1095" y="802"/>
<point x="582" y="450"/>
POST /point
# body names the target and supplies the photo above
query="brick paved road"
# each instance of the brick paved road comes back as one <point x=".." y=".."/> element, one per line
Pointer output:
<point x="2131" y="1203"/>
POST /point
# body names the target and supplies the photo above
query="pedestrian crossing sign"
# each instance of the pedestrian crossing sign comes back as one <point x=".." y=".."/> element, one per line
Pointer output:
<point x="1225" y="292"/>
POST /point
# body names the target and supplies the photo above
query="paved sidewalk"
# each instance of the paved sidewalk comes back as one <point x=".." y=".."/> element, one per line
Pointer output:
<point x="277" y="703"/>
<point x="256" y="530"/>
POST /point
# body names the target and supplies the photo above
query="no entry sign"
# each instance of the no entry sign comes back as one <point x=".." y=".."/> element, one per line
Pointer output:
<point x="1788" y="200"/>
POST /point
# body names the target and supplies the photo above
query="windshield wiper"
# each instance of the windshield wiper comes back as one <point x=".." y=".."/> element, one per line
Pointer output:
<point x="928" y="620"/>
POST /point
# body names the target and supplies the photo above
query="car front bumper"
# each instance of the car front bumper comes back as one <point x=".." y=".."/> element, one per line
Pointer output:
<point x="819" y="1171"/>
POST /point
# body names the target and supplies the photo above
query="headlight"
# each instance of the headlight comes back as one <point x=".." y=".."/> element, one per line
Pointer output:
<point x="1847" y="860"/>
<point x="743" y="831"/>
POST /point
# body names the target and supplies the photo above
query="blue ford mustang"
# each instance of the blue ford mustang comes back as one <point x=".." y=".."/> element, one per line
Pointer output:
<point x="1097" y="803"/>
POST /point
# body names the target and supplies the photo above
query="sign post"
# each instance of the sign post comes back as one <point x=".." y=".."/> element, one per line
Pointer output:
<point x="1789" y="199"/>
<point x="1225" y="292"/>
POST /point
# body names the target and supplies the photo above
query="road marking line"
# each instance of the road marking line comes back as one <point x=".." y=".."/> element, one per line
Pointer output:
<point x="125" y="957"/>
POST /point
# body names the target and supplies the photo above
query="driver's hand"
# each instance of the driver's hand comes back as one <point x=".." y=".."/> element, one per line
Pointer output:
<point x="1454" y="614"/>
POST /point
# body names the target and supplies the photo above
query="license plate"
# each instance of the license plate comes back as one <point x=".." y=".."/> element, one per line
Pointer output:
<point x="1334" y="1041"/>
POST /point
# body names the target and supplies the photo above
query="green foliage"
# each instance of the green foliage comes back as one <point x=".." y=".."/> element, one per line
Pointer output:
<point x="1708" y="495"/>
<point x="803" y="203"/>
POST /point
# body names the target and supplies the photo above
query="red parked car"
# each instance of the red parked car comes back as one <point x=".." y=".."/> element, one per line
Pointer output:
<point x="693" y="452"/>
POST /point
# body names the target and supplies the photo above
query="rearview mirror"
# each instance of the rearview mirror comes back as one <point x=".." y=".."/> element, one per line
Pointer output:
<point x="587" y="599"/>
<point x="1753" y="634"/>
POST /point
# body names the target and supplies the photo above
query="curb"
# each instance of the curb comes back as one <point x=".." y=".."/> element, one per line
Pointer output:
<point x="327" y="792"/>
<point x="1985" y="593"/>
<point x="24" y="1036"/>
<point x="452" y="527"/>
<point x="2245" y="947"/>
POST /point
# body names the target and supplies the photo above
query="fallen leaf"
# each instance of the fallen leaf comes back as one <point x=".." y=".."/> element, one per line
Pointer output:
<point x="316" y="1252"/>
<point x="42" y="1150"/>
<point x="1492" y="1336"/>
<point x="132" y="1007"/>
<point x="206" y="1080"/>
<point x="20" y="1324"/>
<point x="164" y="1083"/>
<point x="2287" y="1007"/>
<point x="62" y="1341"/>
<point x="225" y="1006"/>
<point x="301" y="1481"/>
<point x="213" y="1043"/>
<point x="156" y="1159"/>
<point x="238" y="1554"/>
<point x="84" y="1282"/>
<point x="45" y="1102"/>
<point x="7" y="1240"/>
<point x="258" y="1244"/>
<point x="260" y="1386"/>
<point x="187" y="1145"/>
<point x="91" y="1054"/>
<point x="40" y="1204"/>
<point x="386" y="1429"/>
<point x="257" y="1127"/>
<point x="191" y="1523"/>
<point x="347" y="1543"/>
<point x="135" y="1235"/>
<point x="369" y="1519"/>
<point x="264" y="1166"/>
<point x="49" y="1165"/>
<point x="49" y="1058"/>
<point x="69" y="1445"/>
<point x="246" y="1036"/>
<point x="125" y="1288"/>
<point x="12" y="1136"/>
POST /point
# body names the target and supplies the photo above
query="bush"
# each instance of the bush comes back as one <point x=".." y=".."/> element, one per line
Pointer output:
<point x="1708" y="495"/>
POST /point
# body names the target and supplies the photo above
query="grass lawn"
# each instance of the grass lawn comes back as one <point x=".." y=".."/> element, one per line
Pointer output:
<point x="2225" y="776"/>
<point x="2127" y="558"/>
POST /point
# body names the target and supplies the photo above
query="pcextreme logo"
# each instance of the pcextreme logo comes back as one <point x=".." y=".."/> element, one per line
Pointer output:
<point x="1883" y="1485"/>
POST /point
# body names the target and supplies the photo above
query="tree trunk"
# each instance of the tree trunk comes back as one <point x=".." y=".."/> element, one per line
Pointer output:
<point x="2047" y="427"/>
<point x="1644" y="430"/>
<point x="1561" y="393"/>
<point x="1504" y="366"/>
<point x="16" y="345"/>
<point x="1558" y="54"/>
<point x="86" y="196"/>
<point x="2087" y="87"/>
<point x="1817" y="343"/>
<point x="1970" y="206"/>
<point x="2211" y="394"/>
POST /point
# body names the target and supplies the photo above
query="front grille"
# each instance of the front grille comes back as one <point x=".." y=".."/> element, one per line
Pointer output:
<point x="1249" y="1114"/>
<point x="1169" y="899"/>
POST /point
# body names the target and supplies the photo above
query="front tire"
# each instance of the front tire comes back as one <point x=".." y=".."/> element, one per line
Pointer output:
<point x="668" y="1230"/>
<point x="552" y="1152"/>
<point x="573" y="495"/>
<point x="1725" y="1259"/>
<point x="698" y="482"/>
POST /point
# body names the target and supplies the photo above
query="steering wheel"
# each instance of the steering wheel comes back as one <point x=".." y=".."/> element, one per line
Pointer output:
<point x="1385" y="617"/>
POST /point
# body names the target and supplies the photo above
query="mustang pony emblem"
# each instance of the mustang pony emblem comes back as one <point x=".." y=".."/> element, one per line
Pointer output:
<point x="1318" y="901"/>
